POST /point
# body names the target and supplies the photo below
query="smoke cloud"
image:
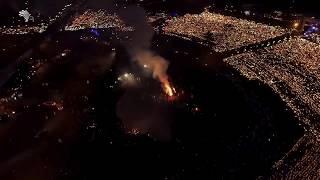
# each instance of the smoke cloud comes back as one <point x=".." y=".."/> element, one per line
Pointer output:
<point x="139" y="44"/>
<point x="156" y="63"/>
<point x="143" y="115"/>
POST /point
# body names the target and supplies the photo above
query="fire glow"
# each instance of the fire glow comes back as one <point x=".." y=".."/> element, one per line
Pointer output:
<point x="168" y="89"/>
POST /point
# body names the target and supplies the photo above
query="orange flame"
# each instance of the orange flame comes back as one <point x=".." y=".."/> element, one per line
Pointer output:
<point x="170" y="91"/>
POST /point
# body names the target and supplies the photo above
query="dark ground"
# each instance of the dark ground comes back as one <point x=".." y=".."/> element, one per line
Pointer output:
<point x="239" y="131"/>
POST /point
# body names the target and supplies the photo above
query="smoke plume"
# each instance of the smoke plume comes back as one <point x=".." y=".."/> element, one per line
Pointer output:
<point x="143" y="115"/>
<point x="140" y="42"/>
<point x="156" y="63"/>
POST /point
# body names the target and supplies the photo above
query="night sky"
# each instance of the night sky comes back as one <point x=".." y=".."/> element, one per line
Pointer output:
<point x="9" y="6"/>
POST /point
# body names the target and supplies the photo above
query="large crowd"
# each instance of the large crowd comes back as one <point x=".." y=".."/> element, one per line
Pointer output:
<point x="23" y="29"/>
<point x="97" y="19"/>
<point x="314" y="38"/>
<point x="301" y="51"/>
<point x="88" y="19"/>
<point x="225" y="32"/>
<point x="292" y="66"/>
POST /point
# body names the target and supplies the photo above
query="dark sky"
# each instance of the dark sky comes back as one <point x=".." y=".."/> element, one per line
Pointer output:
<point x="51" y="6"/>
<point x="307" y="5"/>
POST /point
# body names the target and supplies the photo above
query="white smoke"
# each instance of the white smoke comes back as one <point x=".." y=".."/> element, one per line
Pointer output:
<point x="142" y="115"/>
<point x="157" y="64"/>
<point x="140" y="42"/>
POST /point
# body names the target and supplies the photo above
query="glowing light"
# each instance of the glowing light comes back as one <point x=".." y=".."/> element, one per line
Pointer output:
<point x="128" y="79"/>
<point x="170" y="91"/>
<point x="296" y="24"/>
<point x="26" y="15"/>
<point x="134" y="132"/>
<point x="95" y="32"/>
<point x="53" y="104"/>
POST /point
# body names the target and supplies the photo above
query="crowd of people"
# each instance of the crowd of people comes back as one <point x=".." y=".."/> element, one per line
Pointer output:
<point x="225" y="32"/>
<point x="23" y="29"/>
<point x="314" y="38"/>
<point x="292" y="66"/>
<point x="302" y="51"/>
<point x="97" y="19"/>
